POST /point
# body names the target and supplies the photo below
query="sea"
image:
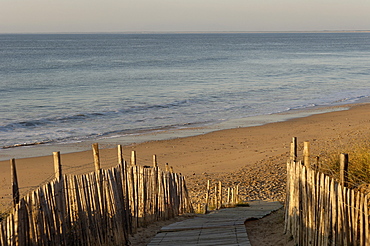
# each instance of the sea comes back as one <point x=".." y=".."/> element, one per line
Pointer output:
<point x="73" y="88"/>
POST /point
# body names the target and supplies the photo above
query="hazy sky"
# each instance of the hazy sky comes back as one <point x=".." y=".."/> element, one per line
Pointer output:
<point x="18" y="16"/>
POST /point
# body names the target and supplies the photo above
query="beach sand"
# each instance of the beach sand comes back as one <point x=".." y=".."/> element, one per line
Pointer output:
<point x="253" y="157"/>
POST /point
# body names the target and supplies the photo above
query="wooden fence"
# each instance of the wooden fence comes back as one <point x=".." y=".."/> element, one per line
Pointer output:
<point x="99" y="208"/>
<point x="322" y="211"/>
<point x="221" y="197"/>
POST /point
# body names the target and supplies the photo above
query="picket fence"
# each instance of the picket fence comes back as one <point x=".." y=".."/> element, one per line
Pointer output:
<point x="99" y="208"/>
<point x="321" y="211"/>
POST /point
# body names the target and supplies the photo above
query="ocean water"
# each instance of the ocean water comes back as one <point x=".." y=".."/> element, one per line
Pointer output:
<point x="64" y="88"/>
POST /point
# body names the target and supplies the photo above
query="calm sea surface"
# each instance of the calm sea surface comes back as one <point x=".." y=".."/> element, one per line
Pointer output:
<point x="74" y="87"/>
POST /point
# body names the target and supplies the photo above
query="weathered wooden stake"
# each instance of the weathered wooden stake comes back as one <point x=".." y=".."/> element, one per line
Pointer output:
<point x="167" y="168"/>
<point x="232" y="196"/>
<point x="133" y="158"/>
<point x="216" y="197"/>
<point x="155" y="163"/>
<point x="306" y="153"/>
<point x="14" y="180"/>
<point x="220" y="194"/>
<point x="293" y="149"/>
<point x="228" y="195"/>
<point x="95" y="148"/>
<point x="57" y="166"/>
<point x="120" y="155"/>
<point x="343" y="161"/>
<point x="317" y="168"/>
<point x="207" y="195"/>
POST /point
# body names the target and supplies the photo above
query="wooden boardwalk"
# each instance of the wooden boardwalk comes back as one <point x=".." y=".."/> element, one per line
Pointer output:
<point x="221" y="227"/>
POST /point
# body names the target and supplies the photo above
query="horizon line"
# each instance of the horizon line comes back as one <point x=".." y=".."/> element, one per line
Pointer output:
<point x="189" y="32"/>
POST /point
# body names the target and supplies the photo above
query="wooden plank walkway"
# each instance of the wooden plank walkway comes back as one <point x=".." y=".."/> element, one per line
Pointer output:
<point x="221" y="227"/>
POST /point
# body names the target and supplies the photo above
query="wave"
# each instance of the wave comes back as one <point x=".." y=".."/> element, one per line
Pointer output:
<point x="108" y="134"/>
<point x="129" y="113"/>
<point x="83" y="116"/>
<point x="39" y="129"/>
<point x="166" y="61"/>
<point x="335" y="102"/>
<point x="349" y="99"/>
<point x="25" y="144"/>
<point x="46" y="121"/>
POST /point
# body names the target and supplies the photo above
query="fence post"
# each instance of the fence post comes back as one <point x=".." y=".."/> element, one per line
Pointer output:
<point x="14" y="180"/>
<point x="220" y="194"/>
<point x="317" y="167"/>
<point x="216" y="196"/>
<point x="120" y="155"/>
<point x="133" y="158"/>
<point x="293" y="149"/>
<point x="343" y="161"/>
<point x="57" y="166"/>
<point x="228" y="196"/>
<point x="232" y="196"/>
<point x="95" y="148"/>
<point x="167" y="168"/>
<point x="306" y="153"/>
<point x="155" y="163"/>
<point x="207" y="196"/>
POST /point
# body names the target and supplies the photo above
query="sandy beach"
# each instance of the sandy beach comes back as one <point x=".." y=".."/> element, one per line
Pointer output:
<point x="216" y="155"/>
<point x="253" y="157"/>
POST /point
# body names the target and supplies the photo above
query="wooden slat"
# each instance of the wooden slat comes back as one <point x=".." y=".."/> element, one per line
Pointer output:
<point x="310" y="210"/>
<point x="3" y="236"/>
<point x="303" y="209"/>
<point x="14" y="182"/>
<point x="361" y="224"/>
<point x="366" y="214"/>
<point x="327" y="216"/>
<point x="356" y="218"/>
<point x="345" y="217"/>
<point x="306" y="153"/>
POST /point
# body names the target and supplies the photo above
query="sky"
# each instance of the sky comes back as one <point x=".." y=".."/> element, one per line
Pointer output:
<point x="54" y="16"/>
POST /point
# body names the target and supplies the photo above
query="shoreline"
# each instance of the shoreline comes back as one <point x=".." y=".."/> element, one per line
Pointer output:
<point x="44" y="149"/>
<point x="232" y="155"/>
